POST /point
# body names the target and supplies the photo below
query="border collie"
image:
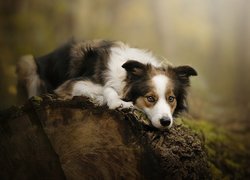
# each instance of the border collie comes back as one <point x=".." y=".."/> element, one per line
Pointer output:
<point x="111" y="73"/>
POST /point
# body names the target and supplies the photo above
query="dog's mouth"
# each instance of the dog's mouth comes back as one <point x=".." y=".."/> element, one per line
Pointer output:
<point x="144" y="119"/>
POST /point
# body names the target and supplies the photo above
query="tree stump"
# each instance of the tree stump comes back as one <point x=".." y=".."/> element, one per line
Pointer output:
<point x="49" y="138"/>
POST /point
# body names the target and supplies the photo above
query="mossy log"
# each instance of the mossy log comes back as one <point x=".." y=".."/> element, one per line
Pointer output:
<point x="49" y="138"/>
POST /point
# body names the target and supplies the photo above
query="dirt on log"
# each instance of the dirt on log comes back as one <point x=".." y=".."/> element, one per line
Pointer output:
<point x="52" y="139"/>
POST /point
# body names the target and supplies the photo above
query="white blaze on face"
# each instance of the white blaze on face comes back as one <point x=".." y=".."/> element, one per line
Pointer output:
<point x="161" y="108"/>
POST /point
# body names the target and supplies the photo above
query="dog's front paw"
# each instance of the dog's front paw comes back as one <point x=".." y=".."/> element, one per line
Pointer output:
<point x="120" y="104"/>
<point x="126" y="105"/>
<point x="98" y="100"/>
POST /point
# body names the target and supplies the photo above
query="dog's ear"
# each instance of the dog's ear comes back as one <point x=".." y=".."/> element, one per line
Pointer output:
<point x="182" y="74"/>
<point x="185" y="71"/>
<point x="134" y="68"/>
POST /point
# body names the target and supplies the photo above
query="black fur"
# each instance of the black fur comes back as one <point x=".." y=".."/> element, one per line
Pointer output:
<point x="134" y="69"/>
<point x="92" y="63"/>
<point x="136" y="79"/>
<point x="53" y="67"/>
<point x="181" y="75"/>
<point x="60" y="65"/>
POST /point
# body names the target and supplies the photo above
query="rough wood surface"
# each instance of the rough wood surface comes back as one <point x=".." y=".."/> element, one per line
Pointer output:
<point x="25" y="150"/>
<point x="50" y="138"/>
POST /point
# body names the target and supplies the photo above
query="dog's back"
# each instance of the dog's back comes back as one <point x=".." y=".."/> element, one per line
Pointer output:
<point x="42" y="74"/>
<point x="53" y="67"/>
<point x="72" y="60"/>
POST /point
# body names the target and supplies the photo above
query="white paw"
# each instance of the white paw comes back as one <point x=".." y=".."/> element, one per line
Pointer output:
<point x="98" y="100"/>
<point x="120" y="104"/>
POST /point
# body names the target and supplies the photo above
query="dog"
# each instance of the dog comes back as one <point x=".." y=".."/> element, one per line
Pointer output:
<point x="110" y="73"/>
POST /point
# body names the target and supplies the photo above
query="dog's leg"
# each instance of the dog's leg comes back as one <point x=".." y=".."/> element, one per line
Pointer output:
<point x="113" y="100"/>
<point x="97" y="93"/>
<point x="85" y="88"/>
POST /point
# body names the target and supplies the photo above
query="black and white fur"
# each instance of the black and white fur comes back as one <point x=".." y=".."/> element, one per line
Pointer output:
<point x="112" y="73"/>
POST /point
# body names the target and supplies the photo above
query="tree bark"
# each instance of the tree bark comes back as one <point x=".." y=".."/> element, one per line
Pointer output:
<point x="50" y="138"/>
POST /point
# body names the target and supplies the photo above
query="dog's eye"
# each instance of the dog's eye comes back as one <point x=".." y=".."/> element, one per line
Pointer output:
<point x="151" y="99"/>
<point x="171" y="99"/>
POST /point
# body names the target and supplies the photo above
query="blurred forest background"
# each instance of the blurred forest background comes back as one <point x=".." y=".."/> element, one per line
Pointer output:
<point x="212" y="36"/>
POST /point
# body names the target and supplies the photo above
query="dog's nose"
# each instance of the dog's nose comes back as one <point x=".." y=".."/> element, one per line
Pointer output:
<point x="165" y="121"/>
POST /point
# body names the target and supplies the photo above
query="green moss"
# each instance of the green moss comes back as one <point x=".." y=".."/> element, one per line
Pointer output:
<point x="232" y="164"/>
<point x="36" y="100"/>
<point x="216" y="172"/>
<point x="227" y="151"/>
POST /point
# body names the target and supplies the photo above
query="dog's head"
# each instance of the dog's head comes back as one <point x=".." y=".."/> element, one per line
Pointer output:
<point x="158" y="91"/>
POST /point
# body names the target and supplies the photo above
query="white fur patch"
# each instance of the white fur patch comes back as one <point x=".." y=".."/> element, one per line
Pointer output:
<point x="32" y="85"/>
<point x="89" y="89"/>
<point x="113" y="100"/>
<point x="27" y="75"/>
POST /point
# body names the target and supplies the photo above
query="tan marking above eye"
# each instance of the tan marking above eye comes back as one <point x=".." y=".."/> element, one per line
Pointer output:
<point x="170" y="97"/>
<point x="141" y="102"/>
<point x="148" y="100"/>
<point x="151" y="97"/>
